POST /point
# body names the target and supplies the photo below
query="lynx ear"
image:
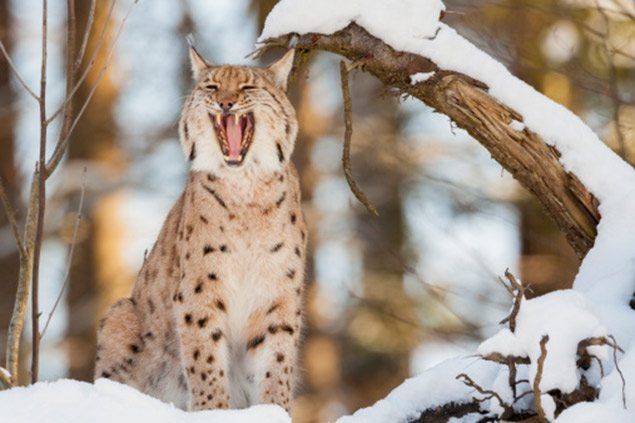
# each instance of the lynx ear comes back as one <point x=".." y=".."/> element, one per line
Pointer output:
<point x="198" y="64"/>
<point x="280" y="70"/>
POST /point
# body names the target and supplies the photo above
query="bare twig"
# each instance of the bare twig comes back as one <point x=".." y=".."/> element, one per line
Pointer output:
<point x="87" y="31"/>
<point x="40" y="205"/>
<point x="486" y="392"/>
<point x="512" y="376"/>
<point x="509" y="290"/>
<point x="10" y="212"/>
<point x="504" y="359"/>
<point x="16" y="73"/>
<point x="348" y="134"/>
<point x="69" y="259"/>
<point x="538" y="378"/>
<point x="517" y="290"/>
<point x="618" y="370"/>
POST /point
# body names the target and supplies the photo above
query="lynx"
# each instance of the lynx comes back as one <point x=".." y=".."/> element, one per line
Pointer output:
<point x="215" y="315"/>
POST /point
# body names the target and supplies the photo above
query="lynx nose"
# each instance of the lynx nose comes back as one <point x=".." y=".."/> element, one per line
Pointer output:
<point x="225" y="105"/>
<point x="226" y="101"/>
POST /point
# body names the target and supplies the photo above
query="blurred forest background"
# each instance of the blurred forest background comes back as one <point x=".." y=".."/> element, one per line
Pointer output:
<point x="390" y="295"/>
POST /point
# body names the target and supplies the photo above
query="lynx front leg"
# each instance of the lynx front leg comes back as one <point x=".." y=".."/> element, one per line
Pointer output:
<point x="204" y="354"/>
<point x="274" y="353"/>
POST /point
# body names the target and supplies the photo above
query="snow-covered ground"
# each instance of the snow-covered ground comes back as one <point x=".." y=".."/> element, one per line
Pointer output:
<point x="70" y="401"/>
<point x="598" y="303"/>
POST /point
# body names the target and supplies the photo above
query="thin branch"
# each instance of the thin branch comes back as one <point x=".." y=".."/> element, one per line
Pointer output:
<point x="348" y="134"/>
<point x="488" y="394"/>
<point x="10" y="212"/>
<point x="518" y="292"/>
<point x="16" y="73"/>
<point x="69" y="259"/>
<point x="619" y="371"/>
<point x="538" y="378"/>
<point x="87" y="31"/>
<point x="40" y="204"/>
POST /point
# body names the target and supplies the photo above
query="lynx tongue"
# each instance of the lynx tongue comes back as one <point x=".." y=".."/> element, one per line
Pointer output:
<point x="234" y="137"/>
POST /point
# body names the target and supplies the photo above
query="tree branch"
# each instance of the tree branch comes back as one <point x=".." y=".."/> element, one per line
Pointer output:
<point x="466" y="101"/>
<point x="69" y="260"/>
<point x="5" y="53"/>
<point x="348" y="135"/>
<point x="40" y="205"/>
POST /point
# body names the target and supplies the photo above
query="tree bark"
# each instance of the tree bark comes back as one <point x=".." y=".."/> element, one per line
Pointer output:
<point x="466" y="101"/>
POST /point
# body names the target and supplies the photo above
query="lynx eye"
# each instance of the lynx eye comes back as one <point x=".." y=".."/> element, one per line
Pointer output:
<point x="247" y="87"/>
<point x="211" y="87"/>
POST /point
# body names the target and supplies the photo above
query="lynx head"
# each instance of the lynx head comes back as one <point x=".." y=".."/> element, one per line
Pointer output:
<point x="238" y="118"/>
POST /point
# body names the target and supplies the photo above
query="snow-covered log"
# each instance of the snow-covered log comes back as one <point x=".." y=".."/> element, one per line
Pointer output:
<point x="466" y="97"/>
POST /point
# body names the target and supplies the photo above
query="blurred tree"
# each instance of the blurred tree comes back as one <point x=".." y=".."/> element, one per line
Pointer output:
<point x="377" y="357"/>
<point x="9" y="265"/>
<point x="95" y="271"/>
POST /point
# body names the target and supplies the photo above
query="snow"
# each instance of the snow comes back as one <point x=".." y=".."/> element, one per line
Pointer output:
<point x="415" y="78"/>
<point x="598" y="303"/>
<point x="548" y="406"/>
<point x="592" y="412"/>
<point x="505" y="343"/>
<point x="415" y="19"/>
<point x="69" y="401"/>
<point x="517" y="125"/>
<point x="437" y="385"/>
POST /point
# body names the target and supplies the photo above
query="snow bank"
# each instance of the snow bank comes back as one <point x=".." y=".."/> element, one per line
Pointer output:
<point x="435" y="386"/>
<point x="69" y="401"/>
<point x="592" y="412"/>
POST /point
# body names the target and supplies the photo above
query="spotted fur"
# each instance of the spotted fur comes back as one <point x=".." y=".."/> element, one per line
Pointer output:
<point x="214" y="318"/>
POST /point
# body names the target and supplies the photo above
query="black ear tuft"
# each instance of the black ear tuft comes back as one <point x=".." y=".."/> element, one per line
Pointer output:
<point x="281" y="69"/>
<point x="197" y="62"/>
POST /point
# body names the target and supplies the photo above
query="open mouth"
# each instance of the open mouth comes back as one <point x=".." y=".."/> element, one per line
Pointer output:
<point x="234" y="133"/>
